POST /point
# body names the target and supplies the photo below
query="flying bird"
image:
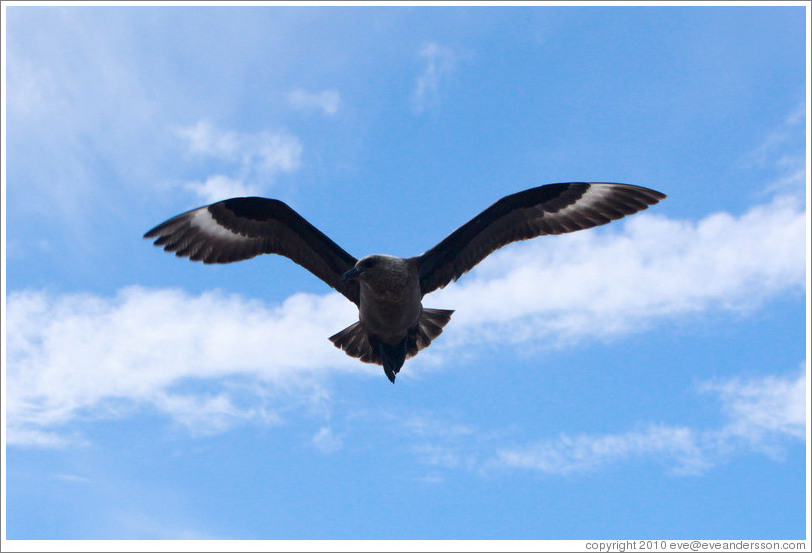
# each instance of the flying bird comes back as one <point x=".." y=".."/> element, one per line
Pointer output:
<point x="392" y="323"/>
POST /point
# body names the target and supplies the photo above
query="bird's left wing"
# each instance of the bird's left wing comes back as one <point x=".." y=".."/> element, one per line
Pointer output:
<point x="548" y="209"/>
<point x="241" y="228"/>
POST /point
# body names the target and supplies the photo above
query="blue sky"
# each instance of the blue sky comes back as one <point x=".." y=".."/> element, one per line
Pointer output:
<point x="645" y="379"/>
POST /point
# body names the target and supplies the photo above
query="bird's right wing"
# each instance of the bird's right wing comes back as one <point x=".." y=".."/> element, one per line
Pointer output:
<point x="241" y="228"/>
<point x="548" y="209"/>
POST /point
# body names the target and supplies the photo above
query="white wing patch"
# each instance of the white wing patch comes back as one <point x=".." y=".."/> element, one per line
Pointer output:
<point x="203" y="220"/>
<point x="597" y="198"/>
<point x="596" y="192"/>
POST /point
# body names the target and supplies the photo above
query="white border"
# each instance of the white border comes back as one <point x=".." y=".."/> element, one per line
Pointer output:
<point x="372" y="545"/>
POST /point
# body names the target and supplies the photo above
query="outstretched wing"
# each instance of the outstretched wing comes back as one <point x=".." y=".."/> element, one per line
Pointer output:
<point x="241" y="228"/>
<point x="548" y="209"/>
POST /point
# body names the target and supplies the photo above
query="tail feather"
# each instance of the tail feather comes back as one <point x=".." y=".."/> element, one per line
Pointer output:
<point x="355" y="341"/>
<point x="393" y="357"/>
<point x="429" y="326"/>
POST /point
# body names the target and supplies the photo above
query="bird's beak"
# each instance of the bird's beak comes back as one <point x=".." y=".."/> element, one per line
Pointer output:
<point x="352" y="274"/>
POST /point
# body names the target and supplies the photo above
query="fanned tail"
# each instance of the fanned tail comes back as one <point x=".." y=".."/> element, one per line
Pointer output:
<point x="355" y="341"/>
<point x="429" y="326"/>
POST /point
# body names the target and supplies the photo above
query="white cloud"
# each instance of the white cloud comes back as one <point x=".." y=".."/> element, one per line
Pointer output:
<point x="326" y="101"/>
<point x="255" y="157"/>
<point x="278" y="152"/>
<point x="205" y="140"/>
<point x="221" y="187"/>
<point x="440" y="62"/>
<point x="566" y="288"/>
<point x="767" y="412"/>
<point x="29" y="437"/>
<point x="763" y="407"/>
<point x="211" y="414"/>
<point x="267" y="151"/>
<point x="83" y="356"/>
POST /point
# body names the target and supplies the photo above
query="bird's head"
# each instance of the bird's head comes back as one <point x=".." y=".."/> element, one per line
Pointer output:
<point x="362" y="269"/>
<point x="377" y="270"/>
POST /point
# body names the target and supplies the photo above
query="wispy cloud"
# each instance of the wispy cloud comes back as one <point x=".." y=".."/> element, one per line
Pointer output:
<point x="439" y="61"/>
<point x="565" y="454"/>
<point x="267" y="151"/>
<point x="326" y="441"/>
<point x="254" y="157"/>
<point x="326" y="101"/>
<point x="74" y="108"/>
<point x="220" y="187"/>
<point x="761" y="415"/>
<point x="440" y="443"/>
<point x="787" y="136"/>
<point x="784" y="148"/>
<point x="24" y="434"/>
<point x="208" y="414"/>
<point x="763" y="407"/>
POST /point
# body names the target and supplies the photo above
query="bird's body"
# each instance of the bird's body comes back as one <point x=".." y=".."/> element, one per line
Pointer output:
<point x="392" y="323"/>
<point x="390" y="297"/>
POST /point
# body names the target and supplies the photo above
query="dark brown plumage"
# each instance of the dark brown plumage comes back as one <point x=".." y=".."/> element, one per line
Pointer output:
<point x="242" y="228"/>
<point x="393" y="325"/>
<point x="548" y="209"/>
